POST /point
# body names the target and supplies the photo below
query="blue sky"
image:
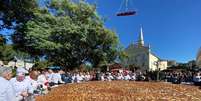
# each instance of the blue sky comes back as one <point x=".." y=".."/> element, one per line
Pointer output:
<point x="171" y="27"/>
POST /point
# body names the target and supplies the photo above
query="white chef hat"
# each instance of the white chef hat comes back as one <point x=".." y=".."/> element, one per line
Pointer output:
<point x="21" y="70"/>
<point x="20" y="74"/>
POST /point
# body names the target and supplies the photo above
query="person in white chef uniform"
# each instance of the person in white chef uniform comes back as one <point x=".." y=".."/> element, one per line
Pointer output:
<point x="22" y="87"/>
<point x="6" y="88"/>
<point x="32" y="79"/>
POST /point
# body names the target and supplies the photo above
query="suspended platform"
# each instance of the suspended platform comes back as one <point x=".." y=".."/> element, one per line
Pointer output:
<point x="127" y="13"/>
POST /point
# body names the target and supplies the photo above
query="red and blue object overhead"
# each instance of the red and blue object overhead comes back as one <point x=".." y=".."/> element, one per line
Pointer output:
<point x="128" y="13"/>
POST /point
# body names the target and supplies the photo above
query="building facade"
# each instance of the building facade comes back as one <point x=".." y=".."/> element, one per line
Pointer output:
<point x="141" y="56"/>
<point x="198" y="58"/>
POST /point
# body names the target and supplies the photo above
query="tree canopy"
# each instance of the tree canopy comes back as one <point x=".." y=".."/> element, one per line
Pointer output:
<point x="16" y="12"/>
<point x="66" y="33"/>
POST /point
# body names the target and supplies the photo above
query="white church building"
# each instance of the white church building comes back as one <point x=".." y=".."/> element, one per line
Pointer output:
<point x="198" y="58"/>
<point x="140" y="55"/>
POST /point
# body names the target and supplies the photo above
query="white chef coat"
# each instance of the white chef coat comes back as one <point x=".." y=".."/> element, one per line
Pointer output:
<point x="33" y="83"/>
<point x="56" y="78"/>
<point x="21" y="86"/>
<point x="42" y="79"/>
<point x="127" y="77"/>
<point x="6" y="90"/>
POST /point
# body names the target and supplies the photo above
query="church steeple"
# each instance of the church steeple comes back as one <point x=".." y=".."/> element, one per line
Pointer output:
<point x="141" y="38"/>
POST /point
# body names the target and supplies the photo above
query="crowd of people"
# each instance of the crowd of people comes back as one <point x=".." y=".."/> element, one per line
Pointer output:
<point x="22" y="87"/>
<point x="188" y="77"/>
<point x="28" y="84"/>
<point x="25" y="85"/>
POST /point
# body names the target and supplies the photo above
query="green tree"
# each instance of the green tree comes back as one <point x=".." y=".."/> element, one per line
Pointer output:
<point x="7" y="53"/>
<point x="42" y="64"/>
<point x="16" y="12"/>
<point x="2" y="40"/>
<point x="68" y="34"/>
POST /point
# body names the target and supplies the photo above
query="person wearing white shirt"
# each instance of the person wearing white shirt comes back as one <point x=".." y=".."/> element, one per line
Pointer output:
<point x="82" y="76"/>
<point x="127" y="77"/>
<point x="56" y="78"/>
<point x="102" y="77"/>
<point x="22" y="88"/>
<point x="88" y="76"/>
<point x="79" y="78"/>
<point x="110" y="77"/>
<point x="120" y="76"/>
<point x="6" y="88"/>
<point x="74" y="79"/>
<point x="32" y="79"/>
<point x="197" y="79"/>
<point x="133" y="77"/>
<point x="49" y="75"/>
<point x="42" y="80"/>
<point x="43" y="77"/>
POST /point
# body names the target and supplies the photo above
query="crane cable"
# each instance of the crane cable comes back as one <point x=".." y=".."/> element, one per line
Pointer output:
<point x="121" y="5"/>
<point x="127" y="4"/>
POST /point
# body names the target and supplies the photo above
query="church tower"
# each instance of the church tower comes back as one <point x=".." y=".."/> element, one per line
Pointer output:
<point x="141" y="38"/>
<point x="140" y="55"/>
